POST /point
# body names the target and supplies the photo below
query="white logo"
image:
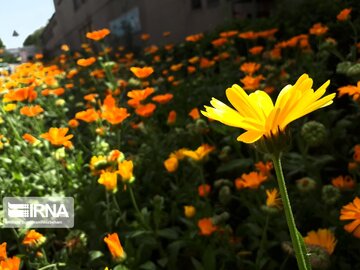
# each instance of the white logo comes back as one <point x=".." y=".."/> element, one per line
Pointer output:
<point x="33" y="210"/>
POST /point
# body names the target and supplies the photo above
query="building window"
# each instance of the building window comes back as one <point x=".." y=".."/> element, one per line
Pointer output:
<point x="213" y="3"/>
<point x="196" y="4"/>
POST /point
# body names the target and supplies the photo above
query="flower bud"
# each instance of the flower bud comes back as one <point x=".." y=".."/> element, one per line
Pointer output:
<point x="330" y="194"/>
<point x="319" y="257"/>
<point x="76" y="241"/>
<point x="314" y="133"/>
<point x="218" y="219"/>
<point x="306" y="184"/>
<point x="225" y="195"/>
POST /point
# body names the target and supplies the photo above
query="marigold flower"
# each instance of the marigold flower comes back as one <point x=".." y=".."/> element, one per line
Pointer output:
<point x="195" y="37"/>
<point x="171" y="164"/>
<point x="3" y="254"/>
<point x="252" y="83"/>
<point x="229" y="34"/>
<point x="318" y="29"/>
<point x="145" y="110"/>
<point x="264" y="168"/>
<point x="257" y="114"/>
<point x="166" y="34"/>
<point x="356" y="155"/>
<point x="84" y="62"/>
<point x="142" y="73"/>
<point x="252" y="180"/>
<point x="204" y="190"/>
<point x="176" y="67"/>
<point x="189" y="211"/>
<point x="125" y="169"/>
<point x="10" y="264"/>
<point x="10" y="107"/>
<point x="31" y="111"/>
<point x="30" y="139"/>
<point x="90" y="115"/>
<point x="200" y="153"/>
<point x="350" y="90"/>
<point x="206" y="63"/>
<point x="98" y="35"/>
<point x="344" y="14"/>
<point x="109" y="180"/>
<point x="56" y="136"/>
<point x="162" y="99"/>
<point x="73" y="123"/>
<point x="250" y="67"/>
<point x="206" y="226"/>
<point x="145" y="37"/>
<point x="351" y="211"/>
<point x="322" y="238"/>
<point x="273" y="198"/>
<point x="171" y="117"/>
<point x="194" y="114"/>
<point x="21" y="94"/>
<point x="33" y="238"/>
<point x="114" y="245"/>
<point x="343" y="182"/>
<point x="219" y="42"/>
<point x="194" y="60"/>
<point x="256" y="50"/>
<point x="139" y="95"/>
<point x="191" y="69"/>
<point x="65" y="48"/>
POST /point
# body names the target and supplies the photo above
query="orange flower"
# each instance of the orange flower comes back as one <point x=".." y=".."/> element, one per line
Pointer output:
<point x="145" y="37"/>
<point x="142" y="73"/>
<point x="176" y="67"/>
<point x="344" y="14"/>
<point x="90" y="115"/>
<point x="219" y="42"/>
<point x="171" y="117"/>
<point x="3" y="254"/>
<point x="109" y="180"/>
<point x="65" y="48"/>
<point x="200" y="153"/>
<point x="31" y="111"/>
<point x="21" y="94"/>
<point x="322" y="238"/>
<point x="171" y="164"/>
<point x="248" y="35"/>
<point x="162" y="99"/>
<point x="145" y="110"/>
<point x="256" y="50"/>
<point x="350" y="90"/>
<point x="125" y="169"/>
<point x="252" y="83"/>
<point x="351" y="211"/>
<point x="318" y="29"/>
<point x="55" y="92"/>
<point x="139" y="95"/>
<point x="56" y="136"/>
<point x="356" y="155"/>
<point x="114" y="245"/>
<point x="204" y="190"/>
<point x="194" y="113"/>
<point x="264" y="168"/>
<point x="10" y="264"/>
<point x="252" y="180"/>
<point x="115" y="115"/>
<point x="250" y="67"/>
<point x="195" y="37"/>
<point x="98" y="35"/>
<point x="29" y="138"/>
<point x="228" y="34"/>
<point x="84" y="62"/>
<point x="189" y="211"/>
<point x="273" y="199"/>
<point x="206" y="226"/>
<point x="191" y="69"/>
<point x="194" y="60"/>
<point x="33" y="238"/>
<point x="343" y="182"/>
<point x="73" y="123"/>
<point x="166" y="34"/>
<point x="206" y="63"/>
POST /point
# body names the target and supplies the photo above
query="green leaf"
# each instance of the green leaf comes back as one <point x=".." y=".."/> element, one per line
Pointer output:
<point x="234" y="164"/>
<point x="95" y="254"/>
<point x="168" y="233"/>
<point x="148" y="266"/>
<point x="197" y="264"/>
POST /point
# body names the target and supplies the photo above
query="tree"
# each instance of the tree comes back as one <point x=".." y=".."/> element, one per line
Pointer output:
<point x="1" y="44"/>
<point x="34" y="38"/>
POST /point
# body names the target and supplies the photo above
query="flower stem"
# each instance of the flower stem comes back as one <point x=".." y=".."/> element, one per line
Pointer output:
<point x="300" y="257"/>
<point x="140" y="215"/>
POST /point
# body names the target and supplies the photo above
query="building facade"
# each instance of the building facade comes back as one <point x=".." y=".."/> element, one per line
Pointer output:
<point x="128" y="19"/>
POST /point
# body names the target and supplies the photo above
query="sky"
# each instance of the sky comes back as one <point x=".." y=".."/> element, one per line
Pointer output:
<point x="23" y="16"/>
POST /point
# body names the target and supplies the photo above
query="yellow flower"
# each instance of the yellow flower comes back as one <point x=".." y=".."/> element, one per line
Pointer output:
<point x="189" y="211"/>
<point x="10" y="107"/>
<point x="171" y="164"/>
<point x="257" y="114"/>
<point x="125" y="169"/>
<point x="323" y="238"/>
<point x="273" y="198"/>
<point x="109" y="180"/>
<point x="200" y="153"/>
